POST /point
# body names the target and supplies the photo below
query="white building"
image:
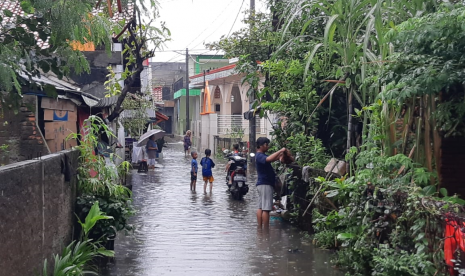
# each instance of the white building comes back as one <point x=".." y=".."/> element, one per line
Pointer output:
<point x="223" y="102"/>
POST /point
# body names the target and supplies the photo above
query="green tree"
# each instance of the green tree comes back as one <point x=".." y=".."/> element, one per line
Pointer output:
<point x="39" y="41"/>
<point x="42" y="39"/>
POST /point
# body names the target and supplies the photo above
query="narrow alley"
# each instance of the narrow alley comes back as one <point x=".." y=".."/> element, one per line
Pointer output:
<point x="179" y="232"/>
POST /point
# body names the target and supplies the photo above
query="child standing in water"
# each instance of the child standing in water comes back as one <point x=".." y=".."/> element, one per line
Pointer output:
<point x="194" y="168"/>
<point x="187" y="142"/>
<point x="207" y="165"/>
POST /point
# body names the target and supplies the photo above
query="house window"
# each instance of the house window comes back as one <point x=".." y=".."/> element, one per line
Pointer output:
<point x="217" y="108"/>
<point x="217" y="93"/>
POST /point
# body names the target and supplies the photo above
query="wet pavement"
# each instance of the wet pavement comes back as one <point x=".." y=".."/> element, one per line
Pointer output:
<point x="180" y="232"/>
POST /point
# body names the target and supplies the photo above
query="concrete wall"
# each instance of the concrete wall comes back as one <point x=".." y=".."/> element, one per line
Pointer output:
<point x="180" y="113"/>
<point x="236" y="106"/>
<point x="209" y="127"/>
<point x="167" y="73"/>
<point x="92" y="82"/>
<point x="20" y="132"/>
<point x="36" y="212"/>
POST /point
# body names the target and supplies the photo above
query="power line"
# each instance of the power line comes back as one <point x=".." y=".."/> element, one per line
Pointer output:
<point x="209" y="25"/>
<point x="234" y="23"/>
<point x="169" y="61"/>
<point x="221" y="25"/>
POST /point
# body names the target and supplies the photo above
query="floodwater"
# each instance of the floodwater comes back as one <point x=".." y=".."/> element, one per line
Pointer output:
<point x="180" y="232"/>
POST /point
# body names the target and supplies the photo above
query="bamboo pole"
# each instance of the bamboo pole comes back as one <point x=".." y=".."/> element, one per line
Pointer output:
<point x="437" y="143"/>
<point x="110" y="11"/>
<point x="409" y="156"/>
<point x="427" y="133"/>
<point x="349" y="128"/>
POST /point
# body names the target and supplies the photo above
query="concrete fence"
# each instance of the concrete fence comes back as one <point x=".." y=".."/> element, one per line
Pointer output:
<point x="37" y="200"/>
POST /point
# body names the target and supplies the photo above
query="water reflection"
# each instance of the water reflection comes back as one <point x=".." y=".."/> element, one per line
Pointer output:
<point x="180" y="232"/>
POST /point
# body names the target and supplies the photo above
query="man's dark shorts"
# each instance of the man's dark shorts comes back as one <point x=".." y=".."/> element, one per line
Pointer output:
<point x="193" y="177"/>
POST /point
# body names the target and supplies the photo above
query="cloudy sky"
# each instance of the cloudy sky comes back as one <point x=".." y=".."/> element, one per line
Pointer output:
<point x="193" y="22"/>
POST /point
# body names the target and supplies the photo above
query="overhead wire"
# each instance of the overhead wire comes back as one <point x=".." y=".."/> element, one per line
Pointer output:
<point x="209" y="25"/>
<point x="182" y="53"/>
<point x="178" y="51"/>
<point x="229" y="33"/>
<point x="220" y="25"/>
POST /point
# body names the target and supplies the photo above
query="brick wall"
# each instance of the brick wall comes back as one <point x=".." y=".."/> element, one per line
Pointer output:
<point x="36" y="212"/>
<point x="19" y="131"/>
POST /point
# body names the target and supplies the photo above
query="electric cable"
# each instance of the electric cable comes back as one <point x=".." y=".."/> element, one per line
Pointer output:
<point x="211" y="24"/>
<point x="226" y="36"/>
<point x="229" y="29"/>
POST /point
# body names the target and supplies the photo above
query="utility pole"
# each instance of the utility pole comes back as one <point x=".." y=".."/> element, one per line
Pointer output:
<point x="252" y="121"/>
<point x="187" y="90"/>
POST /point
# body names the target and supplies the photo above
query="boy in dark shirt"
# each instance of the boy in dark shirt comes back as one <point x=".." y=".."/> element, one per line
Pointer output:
<point x="266" y="178"/>
<point x="207" y="165"/>
<point x="194" y="168"/>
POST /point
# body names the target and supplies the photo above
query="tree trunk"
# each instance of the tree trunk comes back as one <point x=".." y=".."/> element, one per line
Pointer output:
<point x="349" y="127"/>
<point x="117" y="110"/>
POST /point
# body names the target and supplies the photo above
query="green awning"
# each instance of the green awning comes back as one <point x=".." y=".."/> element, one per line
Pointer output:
<point x="182" y="92"/>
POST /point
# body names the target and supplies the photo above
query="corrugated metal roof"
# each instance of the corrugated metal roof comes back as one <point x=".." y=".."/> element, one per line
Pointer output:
<point x="90" y="102"/>
<point x="59" y="85"/>
<point x="107" y="101"/>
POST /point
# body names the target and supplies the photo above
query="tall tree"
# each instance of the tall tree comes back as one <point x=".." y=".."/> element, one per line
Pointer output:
<point x="40" y="40"/>
<point x="43" y="39"/>
<point x="140" y="38"/>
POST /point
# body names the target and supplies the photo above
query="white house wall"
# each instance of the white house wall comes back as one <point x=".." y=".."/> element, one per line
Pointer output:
<point x="209" y="128"/>
<point x="209" y="122"/>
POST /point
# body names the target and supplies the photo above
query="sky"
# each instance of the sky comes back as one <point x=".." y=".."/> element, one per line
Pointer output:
<point x="193" y="22"/>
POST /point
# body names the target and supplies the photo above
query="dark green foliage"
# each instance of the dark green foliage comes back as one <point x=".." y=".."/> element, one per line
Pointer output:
<point x="326" y="239"/>
<point x="56" y="24"/>
<point x="120" y="209"/>
<point x="77" y="258"/>
<point x="104" y="187"/>
<point x="364" y="76"/>
<point x="430" y="60"/>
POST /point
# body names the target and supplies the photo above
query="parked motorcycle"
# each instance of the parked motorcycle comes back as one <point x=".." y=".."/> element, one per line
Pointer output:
<point x="236" y="176"/>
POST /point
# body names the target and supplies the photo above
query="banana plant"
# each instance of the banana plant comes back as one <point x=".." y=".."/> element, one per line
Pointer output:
<point x="76" y="258"/>
<point x="92" y="218"/>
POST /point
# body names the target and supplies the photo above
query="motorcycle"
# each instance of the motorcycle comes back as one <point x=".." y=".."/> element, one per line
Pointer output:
<point x="236" y="176"/>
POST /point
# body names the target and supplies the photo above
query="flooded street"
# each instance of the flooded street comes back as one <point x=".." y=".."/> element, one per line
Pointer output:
<point x="179" y="232"/>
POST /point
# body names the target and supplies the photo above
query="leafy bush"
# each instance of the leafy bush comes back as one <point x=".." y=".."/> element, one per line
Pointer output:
<point x="76" y="258"/>
<point x="388" y="261"/>
<point x="97" y="175"/>
<point x="357" y="261"/>
<point x="386" y="222"/>
<point x="120" y="209"/>
<point x="325" y="239"/>
<point x="100" y="181"/>
<point x="308" y="150"/>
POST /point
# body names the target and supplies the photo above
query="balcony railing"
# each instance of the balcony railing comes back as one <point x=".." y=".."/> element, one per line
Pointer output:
<point x="236" y="125"/>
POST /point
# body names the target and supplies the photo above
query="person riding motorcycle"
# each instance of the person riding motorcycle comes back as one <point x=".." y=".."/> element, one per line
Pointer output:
<point x="230" y="167"/>
<point x="236" y="149"/>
